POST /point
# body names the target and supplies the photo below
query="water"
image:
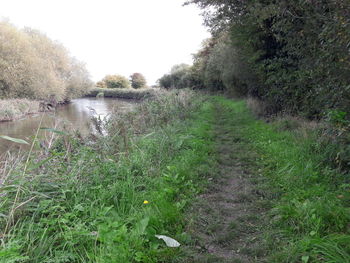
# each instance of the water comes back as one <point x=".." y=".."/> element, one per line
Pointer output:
<point x="76" y="116"/>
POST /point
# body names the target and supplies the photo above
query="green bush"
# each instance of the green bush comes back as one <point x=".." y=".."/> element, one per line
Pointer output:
<point x="293" y="55"/>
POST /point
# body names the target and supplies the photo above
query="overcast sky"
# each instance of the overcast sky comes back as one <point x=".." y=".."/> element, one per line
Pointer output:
<point x="116" y="36"/>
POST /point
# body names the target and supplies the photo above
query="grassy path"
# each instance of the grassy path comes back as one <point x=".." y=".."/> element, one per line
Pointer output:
<point x="201" y="170"/>
<point x="230" y="214"/>
<point x="272" y="197"/>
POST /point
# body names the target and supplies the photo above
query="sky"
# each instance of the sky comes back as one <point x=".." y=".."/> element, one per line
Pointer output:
<point x="116" y="36"/>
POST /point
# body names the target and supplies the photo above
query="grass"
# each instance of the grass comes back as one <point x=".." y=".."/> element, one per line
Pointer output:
<point x="11" y="109"/>
<point x="310" y="206"/>
<point x="84" y="202"/>
<point x="122" y="93"/>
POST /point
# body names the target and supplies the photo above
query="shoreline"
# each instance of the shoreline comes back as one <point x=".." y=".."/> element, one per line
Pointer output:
<point x="18" y="109"/>
<point x="136" y="94"/>
<point x="15" y="109"/>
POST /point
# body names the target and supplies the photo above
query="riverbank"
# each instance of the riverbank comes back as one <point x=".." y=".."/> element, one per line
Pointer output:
<point x="136" y="94"/>
<point x="13" y="109"/>
<point x="200" y="169"/>
<point x="105" y="198"/>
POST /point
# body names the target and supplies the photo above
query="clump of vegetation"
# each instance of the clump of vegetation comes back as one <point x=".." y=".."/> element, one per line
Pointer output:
<point x="138" y="81"/>
<point x="293" y="56"/>
<point x="105" y="198"/>
<point x="123" y="93"/>
<point x="114" y="82"/>
<point x="180" y="76"/>
<point x="35" y="67"/>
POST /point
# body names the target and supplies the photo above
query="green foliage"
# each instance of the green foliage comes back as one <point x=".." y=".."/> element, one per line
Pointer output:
<point x="138" y="81"/>
<point x="310" y="216"/>
<point x="122" y="93"/>
<point x="293" y="55"/>
<point x="20" y="141"/>
<point x="115" y="82"/>
<point x="85" y="201"/>
<point x="181" y="76"/>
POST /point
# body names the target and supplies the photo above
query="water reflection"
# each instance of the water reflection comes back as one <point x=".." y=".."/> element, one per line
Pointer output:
<point x="76" y="115"/>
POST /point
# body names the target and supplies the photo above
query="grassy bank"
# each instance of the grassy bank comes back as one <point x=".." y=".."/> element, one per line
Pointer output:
<point x="309" y="200"/>
<point x="123" y="93"/>
<point x="105" y="198"/>
<point x="12" y="109"/>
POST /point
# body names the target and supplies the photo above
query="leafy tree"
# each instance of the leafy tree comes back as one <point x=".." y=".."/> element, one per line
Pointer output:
<point x="35" y="67"/>
<point x="138" y="81"/>
<point x="294" y="55"/>
<point x="180" y="76"/>
<point x="116" y="81"/>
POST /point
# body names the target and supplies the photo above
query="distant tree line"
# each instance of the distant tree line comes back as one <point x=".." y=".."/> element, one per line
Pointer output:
<point x="137" y="81"/>
<point x="36" y="67"/>
<point x="293" y="55"/>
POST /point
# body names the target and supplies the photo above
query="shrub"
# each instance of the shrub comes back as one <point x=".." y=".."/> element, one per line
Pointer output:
<point x="181" y="76"/>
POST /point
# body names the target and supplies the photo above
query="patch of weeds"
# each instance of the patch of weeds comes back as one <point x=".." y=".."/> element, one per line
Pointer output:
<point x="105" y="200"/>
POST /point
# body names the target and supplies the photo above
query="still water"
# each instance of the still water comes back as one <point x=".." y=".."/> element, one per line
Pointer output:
<point x="74" y="116"/>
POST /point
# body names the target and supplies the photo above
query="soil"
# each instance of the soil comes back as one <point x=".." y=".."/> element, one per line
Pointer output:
<point x="228" y="219"/>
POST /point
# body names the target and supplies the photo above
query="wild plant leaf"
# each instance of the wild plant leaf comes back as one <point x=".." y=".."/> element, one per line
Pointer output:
<point x="141" y="226"/>
<point x="170" y="242"/>
<point x="8" y="187"/>
<point x="305" y="259"/>
<point x="37" y="165"/>
<point x="54" y="131"/>
<point x="13" y="139"/>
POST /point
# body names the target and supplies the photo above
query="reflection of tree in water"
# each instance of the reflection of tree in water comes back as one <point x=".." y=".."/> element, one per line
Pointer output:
<point x="74" y="116"/>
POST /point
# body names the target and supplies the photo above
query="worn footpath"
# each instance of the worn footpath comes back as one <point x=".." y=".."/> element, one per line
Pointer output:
<point x="229" y="217"/>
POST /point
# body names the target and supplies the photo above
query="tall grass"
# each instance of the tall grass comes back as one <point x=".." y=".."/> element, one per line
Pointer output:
<point x="86" y="199"/>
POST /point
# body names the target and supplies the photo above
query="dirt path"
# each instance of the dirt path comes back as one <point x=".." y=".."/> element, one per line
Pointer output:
<point x="229" y="216"/>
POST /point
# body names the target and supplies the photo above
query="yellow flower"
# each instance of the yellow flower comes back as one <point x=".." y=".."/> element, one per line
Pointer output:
<point x="145" y="202"/>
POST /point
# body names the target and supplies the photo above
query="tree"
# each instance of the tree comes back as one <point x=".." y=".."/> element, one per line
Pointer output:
<point x="116" y="81"/>
<point x="180" y="77"/>
<point x="138" y="81"/>
<point x="35" y="67"/>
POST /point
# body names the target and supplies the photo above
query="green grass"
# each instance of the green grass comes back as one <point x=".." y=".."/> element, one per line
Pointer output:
<point x="86" y="199"/>
<point x="310" y="215"/>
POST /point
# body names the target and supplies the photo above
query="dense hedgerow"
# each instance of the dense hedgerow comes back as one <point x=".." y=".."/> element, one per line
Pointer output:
<point x="293" y="55"/>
